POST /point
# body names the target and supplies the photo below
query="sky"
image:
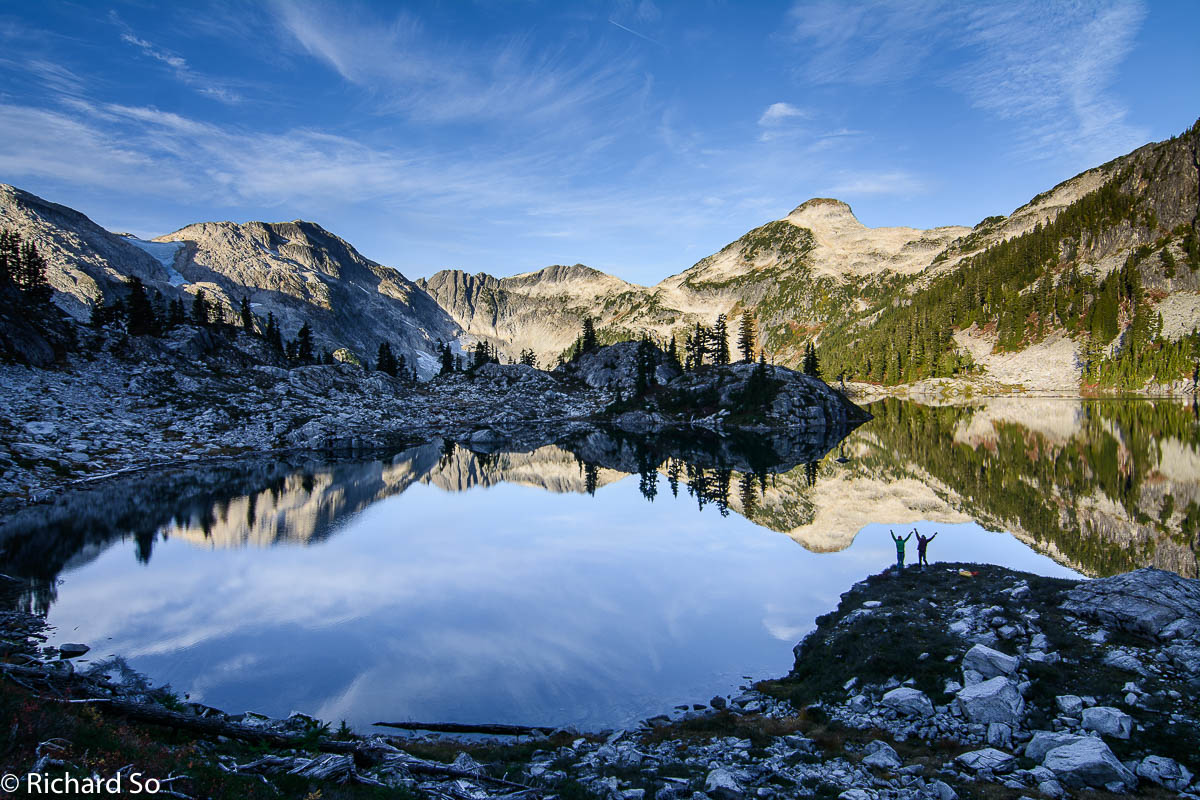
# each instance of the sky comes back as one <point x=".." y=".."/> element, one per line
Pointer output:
<point x="634" y="136"/>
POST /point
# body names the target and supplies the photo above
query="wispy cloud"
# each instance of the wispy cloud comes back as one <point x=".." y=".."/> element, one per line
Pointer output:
<point x="778" y="113"/>
<point x="409" y="71"/>
<point x="202" y="84"/>
<point x="781" y="120"/>
<point x="635" y="33"/>
<point x="896" y="182"/>
<point x="1048" y="64"/>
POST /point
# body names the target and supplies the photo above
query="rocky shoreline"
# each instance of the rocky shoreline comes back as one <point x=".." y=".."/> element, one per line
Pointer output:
<point x="193" y="394"/>
<point x="957" y="680"/>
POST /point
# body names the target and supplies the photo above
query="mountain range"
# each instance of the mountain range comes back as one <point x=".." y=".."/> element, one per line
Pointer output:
<point x="1050" y="296"/>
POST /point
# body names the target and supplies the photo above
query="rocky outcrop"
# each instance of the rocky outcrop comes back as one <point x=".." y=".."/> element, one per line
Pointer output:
<point x="295" y="270"/>
<point x="31" y="333"/>
<point x="86" y="262"/>
<point x="922" y="627"/>
<point x="1151" y="602"/>
<point x="615" y="367"/>
<point x="301" y="273"/>
<point x="542" y="311"/>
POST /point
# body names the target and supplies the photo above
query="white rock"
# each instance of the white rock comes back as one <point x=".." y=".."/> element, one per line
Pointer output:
<point x="882" y="755"/>
<point x="993" y="700"/>
<point x="856" y="794"/>
<point x="999" y="734"/>
<point x="720" y="783"/>
<point x="1069" y="704"/>
<point x="987" y="758"/>
<point x="1165" y="772"/>
<point x="1045" y="741"/>
<point x="40" y="428"/>
<point x="988" y="662"/>
<point x="943" y="791"/>
<point x="1108" y="721"/>
<point x="1088" y="762"/>
<point x="909" y="702"/>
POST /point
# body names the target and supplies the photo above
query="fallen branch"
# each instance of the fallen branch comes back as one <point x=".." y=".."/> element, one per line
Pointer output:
<point x="458" y="727"/>
<point x="217" y="727"/>
<point x="422" y="767"/>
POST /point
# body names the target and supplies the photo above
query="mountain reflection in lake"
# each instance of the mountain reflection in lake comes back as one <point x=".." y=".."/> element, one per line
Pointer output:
<point x="541" y="587"/>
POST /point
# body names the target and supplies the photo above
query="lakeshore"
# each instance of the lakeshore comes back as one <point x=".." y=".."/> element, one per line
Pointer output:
<point x="953" y="680"/>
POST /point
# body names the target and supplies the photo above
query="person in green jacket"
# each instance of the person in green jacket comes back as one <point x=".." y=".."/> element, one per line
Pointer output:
<point x="899" y="548"/>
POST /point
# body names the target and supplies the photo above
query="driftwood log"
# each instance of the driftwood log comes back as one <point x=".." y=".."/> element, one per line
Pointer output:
<point x="210" y="726"/>
<point x="458" y="727"/>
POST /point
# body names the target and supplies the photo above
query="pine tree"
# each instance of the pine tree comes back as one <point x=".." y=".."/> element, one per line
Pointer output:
<point x="10" y="256"/>
<point x="385" y="361"/>
<point x="528" y="358"/>
<point x="720" y="341"/>
<point x="32" y="275"/>
<point x="200" y="309"/>
<point x="304" y="344"/>
<point x="272" y="334"/>
<point x="139" y="315"/>
<point x="673" y="354"/>
<point x="746" y="336"/>
<point x="481" y="355"/>
<point x="812" y="365"/>
<point x="699" y="346"/>
<point x="175" y="313"/>
<point x="247" y="316"/>
<point x="646" y="364"/>
<point x="447" y="359"/>
<point x="588" y="341"/>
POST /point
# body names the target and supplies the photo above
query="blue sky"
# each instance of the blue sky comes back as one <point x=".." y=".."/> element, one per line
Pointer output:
<point x="635" y="137"/>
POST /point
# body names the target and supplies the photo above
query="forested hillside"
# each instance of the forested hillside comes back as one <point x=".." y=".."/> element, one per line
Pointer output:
<point x="1097" y="273"/>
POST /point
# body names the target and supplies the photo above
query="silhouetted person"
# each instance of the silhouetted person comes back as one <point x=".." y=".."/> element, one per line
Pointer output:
<point x="922" y="543"/>
<point x="900" y="549"/>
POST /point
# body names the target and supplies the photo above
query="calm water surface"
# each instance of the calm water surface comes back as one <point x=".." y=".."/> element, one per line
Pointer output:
<point x="444" y="585"/>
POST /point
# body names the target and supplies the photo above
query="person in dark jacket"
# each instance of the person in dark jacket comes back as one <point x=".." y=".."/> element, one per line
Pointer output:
<point x="922" y="543"/>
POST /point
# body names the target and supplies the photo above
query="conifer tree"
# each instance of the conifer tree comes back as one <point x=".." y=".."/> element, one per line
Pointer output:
<point x="31" y="276"/>
<point x="385" y="361"/>
<point x="746" y="337"/>
<point x="646" y="364"/>
<point x="528" y="358"/>
<point x="720" y="341"/>
<point x="139" y="315"/>
<point x="200" y="309"/>
<point x="272" y="334"/>
<point x="10" y="256"/>
<point x="673" y="353"/>
<point x="247" y="316"/>
<point x="447" y="358"/>
<point x="588" y="341"/>
<point x="175" y="313"/>
<point x="812" y="365"/>
<point x="699" y="346"/>
<point x="304" y="344"/>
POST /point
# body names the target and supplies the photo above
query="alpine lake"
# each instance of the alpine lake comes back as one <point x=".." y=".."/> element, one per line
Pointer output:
<point x="591" y="583"/>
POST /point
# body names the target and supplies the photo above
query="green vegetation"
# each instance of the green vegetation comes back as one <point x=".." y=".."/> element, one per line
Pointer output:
<point x="1022" y="289"/>
<point x="1024" y="479"/>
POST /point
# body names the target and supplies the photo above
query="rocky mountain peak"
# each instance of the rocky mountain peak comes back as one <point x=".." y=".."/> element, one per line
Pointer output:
<point x="823" y="212"/>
